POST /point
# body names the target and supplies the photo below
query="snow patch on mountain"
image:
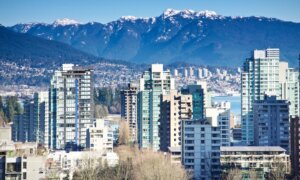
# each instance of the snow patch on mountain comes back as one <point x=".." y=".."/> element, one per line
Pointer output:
<point x="65" y="22"/>
<point x="189" y="14"/>
<point x="129" y="18"/>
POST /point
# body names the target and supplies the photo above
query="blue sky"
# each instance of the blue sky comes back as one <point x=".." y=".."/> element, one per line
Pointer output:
<point x="16" y="11"/>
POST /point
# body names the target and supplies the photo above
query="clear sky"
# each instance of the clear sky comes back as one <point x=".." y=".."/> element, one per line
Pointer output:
<point x="16" y="11"/>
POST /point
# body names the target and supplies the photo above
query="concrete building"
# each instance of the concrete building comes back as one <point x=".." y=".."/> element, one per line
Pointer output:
<point x="191" y="71"/>
<point x="271" y="122"/>
<point x="197" y="93"/>
<point x="200" y="74"/>
<point x="289" y="83"/>
<point x="100" y="137"/>
<point x="175" y="154"/>
<point x="175" y="72"/>
<point x="21" y="161"/>
<point x="174" y="108"/>
<point x="5" y="133"/>
<point x="153" y="84"/>
<point x="71" y="107"/>
<point x="262" y="159"/>
<point x="129" y="109"/>
<point x="260" y="75"/>
<point x="185" y="72"/>
<point x="205" y="72"/>
<point x="63" y="164"/>
<point x="295" y="146"/>
<point x="219" y="116"/>
<point x="201" y="149"/>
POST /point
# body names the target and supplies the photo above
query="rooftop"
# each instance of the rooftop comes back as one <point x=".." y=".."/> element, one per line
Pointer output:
<point x="253" y="148"/>
<point x="174" y="149"/>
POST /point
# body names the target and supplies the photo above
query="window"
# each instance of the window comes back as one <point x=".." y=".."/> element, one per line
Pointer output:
<point x="24" y="175"/>
<point x="24" y="165"/>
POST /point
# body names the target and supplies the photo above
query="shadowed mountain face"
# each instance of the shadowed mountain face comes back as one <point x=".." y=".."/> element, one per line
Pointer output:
<point x="25" y="49"/>
<point x="192" y="37"/>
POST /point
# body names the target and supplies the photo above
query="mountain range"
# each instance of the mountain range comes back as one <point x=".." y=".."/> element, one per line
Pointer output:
<point x="29" y="50"/>
<point x="198" y="37"/>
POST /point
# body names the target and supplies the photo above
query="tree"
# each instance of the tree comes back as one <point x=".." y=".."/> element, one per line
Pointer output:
<point x="134" y="164"/>
<point x="278" y="170"/>
<point x="253" y="174"/>
<point x="11" y="108"/>
<point x="148" y="164"/>
<point x="101" y="111"/>
<point x="124" y="136"/>
<point x="232" y="174"/>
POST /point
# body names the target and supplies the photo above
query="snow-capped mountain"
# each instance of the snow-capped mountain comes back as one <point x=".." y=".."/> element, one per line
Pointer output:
<point x="201" y="37"/>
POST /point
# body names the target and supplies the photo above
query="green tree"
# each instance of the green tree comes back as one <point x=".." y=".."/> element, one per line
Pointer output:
<point x="11" y="108"/>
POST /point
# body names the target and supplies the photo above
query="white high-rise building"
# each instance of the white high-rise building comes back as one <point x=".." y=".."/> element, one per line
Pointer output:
<point x="260" y="76"/>
<point x="218" y="71"/>
<point x="185" y="72"/>
<point x="205" y="72"/>
<point x="175" y="72"/>
<point x="191" y="72"/>
<point x="289" y="82"/>
<point x="199" y="73"/>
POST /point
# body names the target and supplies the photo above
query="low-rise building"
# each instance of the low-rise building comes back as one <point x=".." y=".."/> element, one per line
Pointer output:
<point x="62" y="164"/>
<point x="175" y="154"/>
<point x="100" y="137"/>
<point x="262" y="159"/>
<point x="22" y="161"/>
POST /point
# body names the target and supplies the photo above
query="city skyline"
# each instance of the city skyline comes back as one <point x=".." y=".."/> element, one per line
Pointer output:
<point x="14" y="12"/>
<point x="194" y="89"/>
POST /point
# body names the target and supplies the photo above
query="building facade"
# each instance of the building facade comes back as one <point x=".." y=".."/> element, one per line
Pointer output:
<point x="41" y="117"/>
<point x="262" y="159"/>
<point x="153" y="84"/>
<point x="290" y="87"/>
<point x="129" y="109"/>
<point x="271" y="122"/>
<point x="24" y="125"/>
<point x="260" y="75"/>
<point x="219" y="116"/>
<point x="200" y="149"/>
<point x="197" y="93"/>
<point x="100" y="137"/>
<point x="71" y="106"/>
<point x="295" y="146"/>
<point x="175" y="107"/>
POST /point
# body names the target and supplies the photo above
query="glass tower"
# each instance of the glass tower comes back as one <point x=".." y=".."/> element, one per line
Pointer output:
<point x="71" y="107"/>
<point x="153" y="84"/>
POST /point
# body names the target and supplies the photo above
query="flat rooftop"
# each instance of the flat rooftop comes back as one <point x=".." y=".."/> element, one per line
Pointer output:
<point x="252" y="148"/>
